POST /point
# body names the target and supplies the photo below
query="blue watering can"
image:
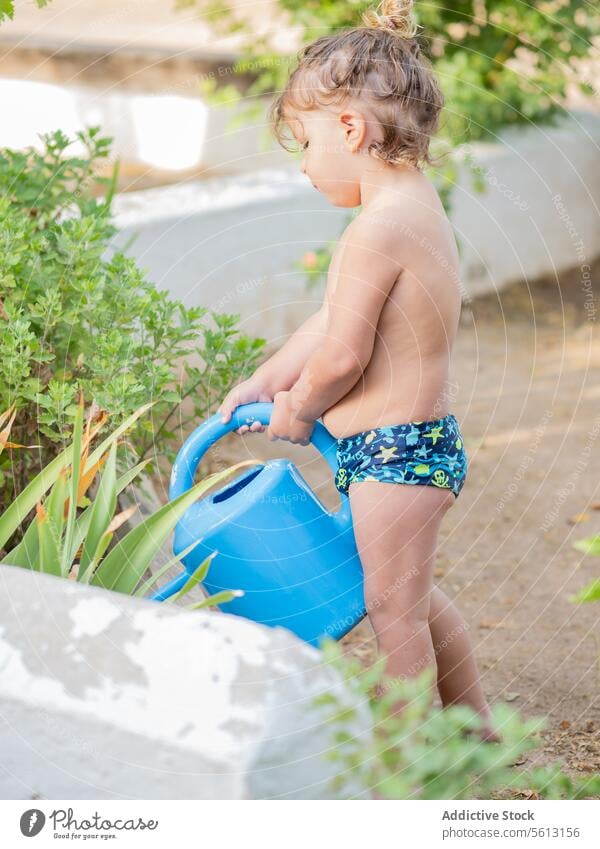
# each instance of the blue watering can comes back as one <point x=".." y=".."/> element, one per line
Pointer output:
<point x="296" y="562"/>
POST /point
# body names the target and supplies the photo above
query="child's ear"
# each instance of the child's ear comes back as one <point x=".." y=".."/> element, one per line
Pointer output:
<point x="354" y="127"/>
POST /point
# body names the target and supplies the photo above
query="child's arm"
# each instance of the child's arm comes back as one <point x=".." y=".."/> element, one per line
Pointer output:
<point x="358" y="290"/>
<point x="284" y="367"/>
<point x="280" y="371"/>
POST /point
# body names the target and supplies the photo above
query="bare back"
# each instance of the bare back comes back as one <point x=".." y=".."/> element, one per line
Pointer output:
<point x="407" y="377"/>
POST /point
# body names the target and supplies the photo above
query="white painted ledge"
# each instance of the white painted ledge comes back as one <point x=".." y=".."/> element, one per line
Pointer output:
<point x="103" y="696"/>
<point x="540" y="213"/>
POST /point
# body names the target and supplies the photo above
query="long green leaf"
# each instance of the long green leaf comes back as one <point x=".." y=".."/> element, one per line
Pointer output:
<point x="197" y="576"/>
<point x="83" y="522"/>
<point x="103" y="508"/>
<point x="155" y="578"/>
<point x="49" y="550"/>
<point x="12" y="517"/>
<point x="33" y="492"/>
<point x="26" y="552"/>
<point x="103" y="447"/>
<point x="55" y="504"/>
<point x="75" y="475"/>
<point x="103" y="543"/>
<point x="218" y="598"/>
<point x="123" y="568"/>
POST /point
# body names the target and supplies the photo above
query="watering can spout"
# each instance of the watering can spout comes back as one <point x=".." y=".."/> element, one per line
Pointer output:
<point x="296" y="562"/>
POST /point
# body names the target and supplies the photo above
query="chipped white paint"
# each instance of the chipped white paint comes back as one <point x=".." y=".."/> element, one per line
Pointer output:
<point x="16" y="678"/>
<point x="91" y="616"/>
<point x="132" y="698"/>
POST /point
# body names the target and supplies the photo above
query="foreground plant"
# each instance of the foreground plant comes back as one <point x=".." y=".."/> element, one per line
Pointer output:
<point x="589" y="545"/>
<point x="60" y="542"/>
<point x="428" y="753"/>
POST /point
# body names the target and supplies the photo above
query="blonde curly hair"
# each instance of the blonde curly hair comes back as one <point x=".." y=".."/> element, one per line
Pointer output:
<point x="380" y="63"/>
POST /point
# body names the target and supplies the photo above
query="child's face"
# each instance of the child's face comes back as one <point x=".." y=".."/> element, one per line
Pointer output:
<point x="334" y="142"/>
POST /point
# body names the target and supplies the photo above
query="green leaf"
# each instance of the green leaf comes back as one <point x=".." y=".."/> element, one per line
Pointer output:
<point x="33" y="492"/>
<point x="218" y="598"/>
<point x="83" y="521"/>
<point x="103" y="543"/>
<point x="155" y="578"/>
<point x="7" y="9"/>
<point x="48" y="547"/>
<point x="75" y="477"/>
<point x="197" y="576"/>
<point x="102" y="510"/>
<point x="589" y="545"/>
<point x="589" y="593"/>
<point x="55" y="507"/>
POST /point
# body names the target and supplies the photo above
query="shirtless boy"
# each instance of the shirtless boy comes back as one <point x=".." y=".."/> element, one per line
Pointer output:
<point x="373" y="362"/>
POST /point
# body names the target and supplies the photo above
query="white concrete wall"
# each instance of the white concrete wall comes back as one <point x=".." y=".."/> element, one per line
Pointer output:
<point x="540" y="213"/>
<point x="229" y="243"/>
<point x="103" y="696"/>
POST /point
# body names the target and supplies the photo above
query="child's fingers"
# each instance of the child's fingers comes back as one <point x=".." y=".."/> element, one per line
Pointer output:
<point x="255" y="427"/>
<point x="227" y="407"/>
<point x="225" y="412"/>
<point x="234" y="400"/>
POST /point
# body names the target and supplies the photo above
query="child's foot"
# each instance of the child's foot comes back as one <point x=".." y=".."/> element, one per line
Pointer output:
<point x="488" y="734"/>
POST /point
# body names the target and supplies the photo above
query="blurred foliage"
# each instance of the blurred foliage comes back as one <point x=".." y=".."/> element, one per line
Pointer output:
<point x="7" y="8"/>
<point x="589" y="545"/>
<point x="422" y="752"/>
<point x="473" y="45"/>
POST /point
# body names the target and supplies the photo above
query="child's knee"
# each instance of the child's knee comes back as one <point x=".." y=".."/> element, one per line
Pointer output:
<point x="399" y="613"/>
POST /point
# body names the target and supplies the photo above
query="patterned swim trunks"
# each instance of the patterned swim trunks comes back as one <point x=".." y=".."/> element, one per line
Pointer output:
<point x="429" y="453"/>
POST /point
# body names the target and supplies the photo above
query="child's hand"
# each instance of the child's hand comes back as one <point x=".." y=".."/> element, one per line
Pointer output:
<point x="246" y="392"/>
<point x="285" y="425"/>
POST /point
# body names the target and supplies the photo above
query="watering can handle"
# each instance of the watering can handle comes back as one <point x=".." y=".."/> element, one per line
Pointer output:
<point x="200" y="440"/>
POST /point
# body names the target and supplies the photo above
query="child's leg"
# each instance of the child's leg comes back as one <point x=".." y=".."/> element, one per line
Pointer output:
<point x="457" y="677"/>
<point x="396" y="527"/>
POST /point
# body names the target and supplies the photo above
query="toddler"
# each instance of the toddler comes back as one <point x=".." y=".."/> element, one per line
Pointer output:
<point x="373" y="361"/>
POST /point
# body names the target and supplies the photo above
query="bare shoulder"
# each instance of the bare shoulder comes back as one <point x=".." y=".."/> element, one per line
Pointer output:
<point x="374" y="228"/>
<point x="399" y="220"/>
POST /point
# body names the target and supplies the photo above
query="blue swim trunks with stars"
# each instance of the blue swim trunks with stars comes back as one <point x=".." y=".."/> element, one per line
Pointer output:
<point x="430" y="453"/>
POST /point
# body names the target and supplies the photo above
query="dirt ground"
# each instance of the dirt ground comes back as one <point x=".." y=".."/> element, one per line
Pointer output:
<point x="526" y="391"/>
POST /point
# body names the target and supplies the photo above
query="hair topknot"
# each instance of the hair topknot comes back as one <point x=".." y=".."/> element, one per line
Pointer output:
<point x="395" y="15"/>
<point x="379" y="63"/>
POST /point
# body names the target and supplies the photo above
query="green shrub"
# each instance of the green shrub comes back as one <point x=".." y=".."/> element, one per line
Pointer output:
<point x="428" y="753"/>
<point x="75" y="313"/>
